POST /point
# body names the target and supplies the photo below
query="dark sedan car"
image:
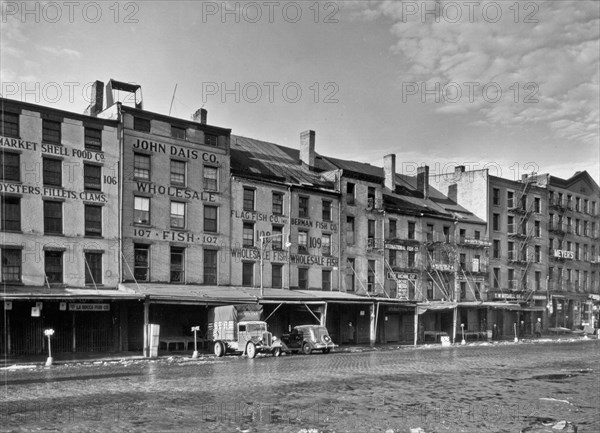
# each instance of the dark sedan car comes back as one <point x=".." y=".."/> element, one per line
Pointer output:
<point x="306" y="338"/>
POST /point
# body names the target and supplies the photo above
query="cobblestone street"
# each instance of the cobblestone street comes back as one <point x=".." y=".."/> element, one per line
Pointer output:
<point x="475" y="388"/>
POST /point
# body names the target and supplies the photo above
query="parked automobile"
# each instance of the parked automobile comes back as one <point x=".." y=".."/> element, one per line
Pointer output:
<point x="306" y="338"/>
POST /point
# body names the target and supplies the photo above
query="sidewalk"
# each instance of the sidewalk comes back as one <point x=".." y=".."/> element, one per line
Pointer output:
<point x="96" y="358"/>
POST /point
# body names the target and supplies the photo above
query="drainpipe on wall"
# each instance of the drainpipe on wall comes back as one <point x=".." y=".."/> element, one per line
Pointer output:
<point x="340" y="264"/>
<point x="121" y="132"/>
<point x="289" y="270"/>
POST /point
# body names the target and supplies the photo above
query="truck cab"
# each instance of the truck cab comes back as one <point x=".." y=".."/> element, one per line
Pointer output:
<point x="232" y="331"/>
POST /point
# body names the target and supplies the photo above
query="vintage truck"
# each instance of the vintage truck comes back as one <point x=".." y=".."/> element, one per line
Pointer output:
<point x="238" y="329"/>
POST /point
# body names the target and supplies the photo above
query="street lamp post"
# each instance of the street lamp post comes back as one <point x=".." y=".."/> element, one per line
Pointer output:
<point x="262" y="239"/>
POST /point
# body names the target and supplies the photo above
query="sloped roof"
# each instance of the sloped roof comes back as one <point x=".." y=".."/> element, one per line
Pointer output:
<point x="583" y="176"/>
<point x="263" y="160"/>
<point x="360" y="168"/>
<point x="269" y="161"/>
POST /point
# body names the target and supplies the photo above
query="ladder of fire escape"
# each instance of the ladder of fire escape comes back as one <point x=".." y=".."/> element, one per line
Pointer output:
<point x="469" y="283"/>
<point x="440" y="286"/>
<point x="359" y="280"/>
<point x="378" y="281"/>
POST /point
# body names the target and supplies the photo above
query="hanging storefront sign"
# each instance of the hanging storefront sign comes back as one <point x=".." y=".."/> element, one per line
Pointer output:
<point x="402" y="276"/>
<point x="8" y="305"/>
<point x="89" y="307"/>
<point x="35" y="312"/>
<point x="401" y="247"/>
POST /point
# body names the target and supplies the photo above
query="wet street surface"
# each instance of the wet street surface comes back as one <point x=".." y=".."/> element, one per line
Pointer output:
<point x="497" y="387"/>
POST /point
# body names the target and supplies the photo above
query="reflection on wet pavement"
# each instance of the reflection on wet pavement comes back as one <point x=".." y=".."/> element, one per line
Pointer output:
<point x="457" y="389"/>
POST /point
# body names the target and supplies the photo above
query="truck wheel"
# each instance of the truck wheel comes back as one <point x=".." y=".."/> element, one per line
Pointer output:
<point x="306" y="349"/>
<point x="277" y="351"/>
<point x="326" y="351"/>
<point x="218" y="349"/>
<point x="251" y="350"/>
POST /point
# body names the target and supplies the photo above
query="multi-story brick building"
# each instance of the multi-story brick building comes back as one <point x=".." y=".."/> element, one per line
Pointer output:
<point x="534" y="232"/>
<point x="573" y="248"/>
<point x="175" y="210"/>
<point x="59" y="238"/>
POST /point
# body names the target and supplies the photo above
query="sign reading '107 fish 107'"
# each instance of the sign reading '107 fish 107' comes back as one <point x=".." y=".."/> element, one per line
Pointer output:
<point x="89" y="307"/>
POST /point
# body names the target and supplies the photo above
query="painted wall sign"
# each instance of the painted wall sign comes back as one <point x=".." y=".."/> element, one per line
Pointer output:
<point x="323" y="225"/>
<point x="173" y="191"/>
<point x="89" y="307"/>
<point x="170" y="149"/>
<point x="302" y="259"/>
<point x="52" y="149"/>
<point x="259" y="216"/>
<point x="564" y="254"/>
<point x="45" y="191"/>
<point x="176" y="236"/>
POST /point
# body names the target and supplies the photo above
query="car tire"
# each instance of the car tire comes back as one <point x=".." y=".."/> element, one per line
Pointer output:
<point x="326" y="351"/>
<point x="306" y="349"/>
<point x="277" y="351"/>
<point x="251" y="350"/>
<point x="219" y="349"/>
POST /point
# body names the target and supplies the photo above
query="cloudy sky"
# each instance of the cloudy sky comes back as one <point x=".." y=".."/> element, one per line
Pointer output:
<point x="509" y="86"/>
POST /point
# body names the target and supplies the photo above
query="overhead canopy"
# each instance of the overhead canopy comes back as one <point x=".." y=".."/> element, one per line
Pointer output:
<point x="64" y="293"/>
<point x="423" y="307"/>
<point x="190" y="294"/>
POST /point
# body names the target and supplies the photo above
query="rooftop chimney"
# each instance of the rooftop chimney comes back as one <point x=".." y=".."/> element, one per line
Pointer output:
<point x="453" y="192"/>
<point x="423" y="181"/>
<point x="389" y="169"/>
<point x="96" y="99"/>
<point x="200" y="116"/>
<point x="307" y="148"/>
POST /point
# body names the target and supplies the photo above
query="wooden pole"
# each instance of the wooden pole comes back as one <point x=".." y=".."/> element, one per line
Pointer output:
<point x="416" y="330"/>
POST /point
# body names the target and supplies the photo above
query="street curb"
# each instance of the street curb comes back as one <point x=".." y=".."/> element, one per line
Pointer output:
<point x="348" y="349"/>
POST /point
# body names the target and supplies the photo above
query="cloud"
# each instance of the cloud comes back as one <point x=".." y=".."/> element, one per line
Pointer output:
<point x="539" y="61"/>
<point x="66" y="52"/>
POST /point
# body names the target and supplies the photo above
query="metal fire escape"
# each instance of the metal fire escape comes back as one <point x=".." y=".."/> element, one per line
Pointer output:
<point x="522" y="233"/>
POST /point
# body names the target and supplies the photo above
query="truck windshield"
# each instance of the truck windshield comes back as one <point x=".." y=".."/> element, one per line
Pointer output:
<point x="256" y="327"/>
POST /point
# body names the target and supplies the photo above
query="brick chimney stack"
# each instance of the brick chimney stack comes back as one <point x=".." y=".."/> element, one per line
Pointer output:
<point x="307" y="148"/>
<point x="200" y="116"/>
<point x="96" y="99"/>
<point x="389" y="169"/>
<point x="423" y="180"/>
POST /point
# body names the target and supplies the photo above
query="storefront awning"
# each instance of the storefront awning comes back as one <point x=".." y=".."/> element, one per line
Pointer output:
<point x="190" y="294"/>
<point x="536" y="308"/>
<point x="14" y="293"/>
<point x="422" y="307"/>
<point x="502" y="305"/>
